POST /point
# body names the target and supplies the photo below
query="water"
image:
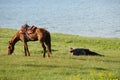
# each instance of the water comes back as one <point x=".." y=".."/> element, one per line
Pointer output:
<point x="96" y="18"/>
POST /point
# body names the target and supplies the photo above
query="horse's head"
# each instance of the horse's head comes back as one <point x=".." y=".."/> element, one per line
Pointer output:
<point x="10" y="48"/>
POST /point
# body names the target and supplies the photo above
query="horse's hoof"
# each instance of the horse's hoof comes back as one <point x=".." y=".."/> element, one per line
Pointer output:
<point x="48" y="55"/>
<point x="43" y="56"/>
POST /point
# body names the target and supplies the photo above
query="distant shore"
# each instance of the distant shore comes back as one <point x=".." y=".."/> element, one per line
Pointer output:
<point x="68" y="33"/>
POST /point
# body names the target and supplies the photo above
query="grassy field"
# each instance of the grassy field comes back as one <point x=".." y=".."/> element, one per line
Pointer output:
<point x="61" y="65"/>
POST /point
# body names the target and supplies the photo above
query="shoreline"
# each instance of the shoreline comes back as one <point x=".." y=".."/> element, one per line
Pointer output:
<point x="68" y="34"/>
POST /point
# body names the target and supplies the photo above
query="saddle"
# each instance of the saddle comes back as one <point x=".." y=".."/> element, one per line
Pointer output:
<point x="31" y="30"/>
<point x="27" y="29"/>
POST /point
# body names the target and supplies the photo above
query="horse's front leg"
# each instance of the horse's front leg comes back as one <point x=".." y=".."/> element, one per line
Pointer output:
<point x="26" y="49"/>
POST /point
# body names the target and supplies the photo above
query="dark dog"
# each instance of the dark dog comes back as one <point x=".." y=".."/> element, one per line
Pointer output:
<point x="83" y="51"/>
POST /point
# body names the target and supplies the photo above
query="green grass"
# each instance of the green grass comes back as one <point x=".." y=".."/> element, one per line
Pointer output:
<point x="61" y="65"/>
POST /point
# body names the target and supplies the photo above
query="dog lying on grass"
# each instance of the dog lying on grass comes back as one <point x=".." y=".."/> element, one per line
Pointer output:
<point x="83" y="51"/>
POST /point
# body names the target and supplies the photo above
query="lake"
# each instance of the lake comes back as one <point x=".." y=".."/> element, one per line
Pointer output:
<point x="93" y="18"/>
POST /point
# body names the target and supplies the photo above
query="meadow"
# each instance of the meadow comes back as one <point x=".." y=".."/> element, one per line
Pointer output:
<point x="62" y="65"/>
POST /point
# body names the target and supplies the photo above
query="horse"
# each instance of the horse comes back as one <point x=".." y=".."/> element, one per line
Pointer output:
<point x="37" y="34"/>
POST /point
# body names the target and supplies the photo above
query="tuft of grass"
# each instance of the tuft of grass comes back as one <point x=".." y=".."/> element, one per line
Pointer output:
<point x="61" y="65"/>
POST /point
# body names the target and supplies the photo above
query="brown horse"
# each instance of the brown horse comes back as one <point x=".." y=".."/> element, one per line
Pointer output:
<point x="40" y="34"/>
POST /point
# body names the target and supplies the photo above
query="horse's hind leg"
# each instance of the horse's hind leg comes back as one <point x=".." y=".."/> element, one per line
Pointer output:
<point x="44" y="48"/>
<point x="49" y="48"/>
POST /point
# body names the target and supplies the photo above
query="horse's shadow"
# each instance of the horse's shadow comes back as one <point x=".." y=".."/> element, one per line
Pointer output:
<point x="53" y="50"/>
